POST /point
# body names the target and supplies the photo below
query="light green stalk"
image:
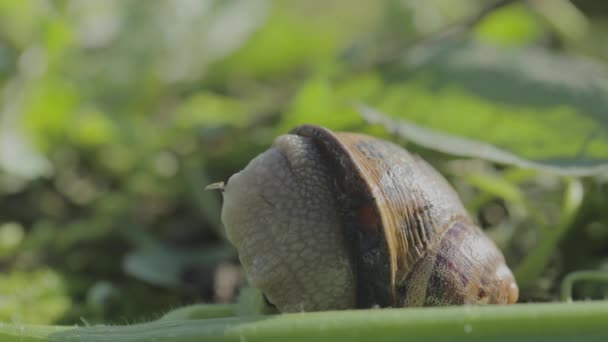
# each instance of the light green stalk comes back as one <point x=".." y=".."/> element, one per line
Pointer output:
<point x="580" y="321"/>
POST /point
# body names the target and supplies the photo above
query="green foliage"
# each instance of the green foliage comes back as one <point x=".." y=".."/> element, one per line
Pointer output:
<point x="513" y="26"/>
<point x="115" y="115"/>
<point x="37" y="296"/>
<point x="512" y="99"/>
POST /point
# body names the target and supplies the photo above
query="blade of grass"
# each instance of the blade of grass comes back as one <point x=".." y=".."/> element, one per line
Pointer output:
<point x="555" y="322"/>
<point x="571" y="278"/>
<point x="531" y="267"/>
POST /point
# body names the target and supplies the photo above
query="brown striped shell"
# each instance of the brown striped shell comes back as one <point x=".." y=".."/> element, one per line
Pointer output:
<point x="326" y="220"/>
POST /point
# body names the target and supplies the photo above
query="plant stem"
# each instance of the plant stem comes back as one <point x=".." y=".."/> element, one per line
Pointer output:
<point x="522" y="322"/>
<point x="531" y="267"/>
<point x="570" y="279"/>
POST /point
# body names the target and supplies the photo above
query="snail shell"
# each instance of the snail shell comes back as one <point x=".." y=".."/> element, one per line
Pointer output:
<point x="326" y="220"/>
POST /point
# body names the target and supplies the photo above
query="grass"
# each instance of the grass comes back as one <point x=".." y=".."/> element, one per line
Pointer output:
<point x="553" y="322"/>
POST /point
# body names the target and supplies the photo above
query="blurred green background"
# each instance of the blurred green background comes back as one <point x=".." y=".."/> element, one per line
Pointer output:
<point x="114" y="116"/>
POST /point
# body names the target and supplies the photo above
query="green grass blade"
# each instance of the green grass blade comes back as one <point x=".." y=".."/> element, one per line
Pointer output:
<point x="531" y="267"/>
<point x="555" y="322"/>
<point x="570" y="279"/>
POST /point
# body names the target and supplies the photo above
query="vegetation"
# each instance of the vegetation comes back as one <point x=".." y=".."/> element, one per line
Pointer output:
<point x="115" y="115"/>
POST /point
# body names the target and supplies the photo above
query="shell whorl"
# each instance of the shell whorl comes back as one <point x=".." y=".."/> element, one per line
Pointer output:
<point x="464" y="267"/>
<point x="413" y="202"/>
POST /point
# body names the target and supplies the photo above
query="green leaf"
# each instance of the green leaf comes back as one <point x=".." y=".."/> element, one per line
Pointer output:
<point x="504" y="105"/>
<point x="209" y="109"/>
<point x="296" y="36"/>
<point x="512" y="25"/>
<point x="315" y="102"/>
<point x="320" y="102"/>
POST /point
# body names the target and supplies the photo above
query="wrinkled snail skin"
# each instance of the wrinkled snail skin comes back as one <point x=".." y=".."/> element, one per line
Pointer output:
<point x="283" y="218"/>
<point x="326" y="220"/>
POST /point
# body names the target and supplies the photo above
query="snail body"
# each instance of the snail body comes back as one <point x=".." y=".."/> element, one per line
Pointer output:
<point x="335" y="220"/>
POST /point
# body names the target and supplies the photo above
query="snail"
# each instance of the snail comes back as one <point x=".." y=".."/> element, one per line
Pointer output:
<point x="336" y="220"/>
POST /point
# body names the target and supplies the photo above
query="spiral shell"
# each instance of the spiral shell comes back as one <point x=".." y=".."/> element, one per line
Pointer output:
<point x="326" y="220"/>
